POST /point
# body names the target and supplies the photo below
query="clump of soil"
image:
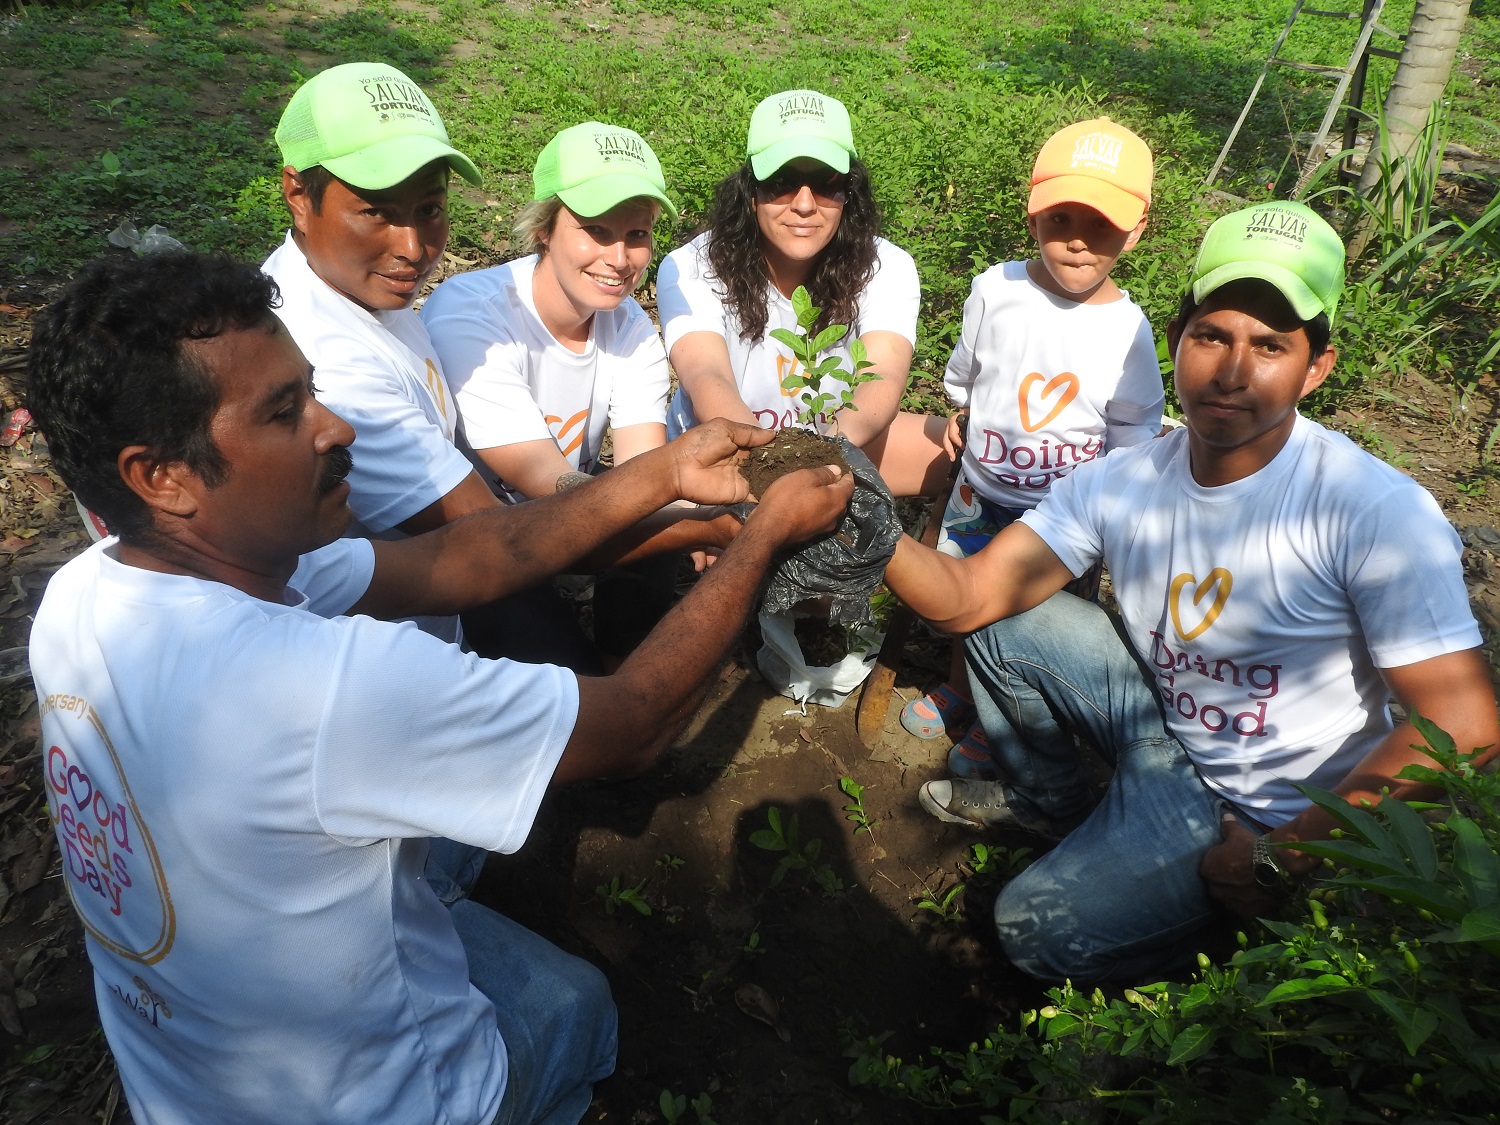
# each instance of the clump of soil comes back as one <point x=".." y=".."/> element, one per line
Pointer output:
<point x="787" y="452"/>
<point x="823" y="643"/>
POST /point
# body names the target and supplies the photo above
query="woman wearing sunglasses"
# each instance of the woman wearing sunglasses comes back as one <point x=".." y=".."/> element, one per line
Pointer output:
<point x="799" y="211"/>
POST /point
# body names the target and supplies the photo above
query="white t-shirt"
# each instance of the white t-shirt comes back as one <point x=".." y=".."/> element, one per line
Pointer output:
<point x="514" y="382"/>
<point x="688" y="299"/>
<point x="1049" y="383"/>
<point x="242" y="793"/>
<point x="379" y="372"/>
<point x="1267" y="607"/>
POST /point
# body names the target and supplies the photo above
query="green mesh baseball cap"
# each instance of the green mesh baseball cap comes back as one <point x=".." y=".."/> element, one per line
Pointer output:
<point x="799" y="123"/>
<point x="1287" y="244"/>
<point x="369" y="125"/>
<point x="593" y="167"/>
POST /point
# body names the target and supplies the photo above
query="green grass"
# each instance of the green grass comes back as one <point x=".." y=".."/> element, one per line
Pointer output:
<point x="950" y="102"/>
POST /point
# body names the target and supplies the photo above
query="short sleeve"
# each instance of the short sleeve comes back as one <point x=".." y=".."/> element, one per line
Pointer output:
<point x="486" y="365"/>
<point x="1064" y="519"/>
<point x="1403" y="567"/>
<point x="685" y="298"/>
<point x="403" y="461"/>
<point x="893" y="298"/>
<point x="335" y="577"/>
<point x="419" y="738"/>
<point x="963" y="364"/>
<point x="1133" y="414"/>
<point x="638" y="392"/>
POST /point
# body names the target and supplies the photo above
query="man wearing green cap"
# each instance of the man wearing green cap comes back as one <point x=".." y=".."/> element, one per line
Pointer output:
<point x="366" y="166"/>
<point x="1277" y="587"/>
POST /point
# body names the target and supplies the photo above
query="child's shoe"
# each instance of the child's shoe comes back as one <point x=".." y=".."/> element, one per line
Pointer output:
<point x="941" y="711"/>
<point x="971" y="757"/>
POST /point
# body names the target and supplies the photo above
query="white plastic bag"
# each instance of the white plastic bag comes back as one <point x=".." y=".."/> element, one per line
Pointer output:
<point x="781" y="662"/>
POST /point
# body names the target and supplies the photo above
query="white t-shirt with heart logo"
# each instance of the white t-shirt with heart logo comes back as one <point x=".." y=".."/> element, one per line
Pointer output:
<point x="514" y="382"/>
<point x="1266" y="608"/>
<point x="689" y="299"/>
<point x="1050" y="384"/>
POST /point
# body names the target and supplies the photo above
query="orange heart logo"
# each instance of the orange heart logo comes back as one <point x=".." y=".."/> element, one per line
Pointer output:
<point x="1066" y="380"/>
<point x="560" y="434"/>
<point x="1219" y="582"/>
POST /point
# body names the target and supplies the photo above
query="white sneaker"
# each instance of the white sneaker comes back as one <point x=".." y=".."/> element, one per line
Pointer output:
<point x="979" y="805"/>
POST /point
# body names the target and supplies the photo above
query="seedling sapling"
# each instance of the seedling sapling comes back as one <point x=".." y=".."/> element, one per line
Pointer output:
<point x="854" y="811"/>
<point x="612" y="895"/>
<point x="946" y="908"/>
<point x="799" y="856"/>
<point x="809" y="372"/>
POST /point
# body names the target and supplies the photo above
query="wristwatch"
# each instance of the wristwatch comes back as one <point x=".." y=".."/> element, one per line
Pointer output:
<point x="1268" y="873"/>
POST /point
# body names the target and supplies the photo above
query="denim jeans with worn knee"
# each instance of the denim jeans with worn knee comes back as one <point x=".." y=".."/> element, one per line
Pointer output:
<point x="1119" y="899"/>
<point x="554" y="1010"/>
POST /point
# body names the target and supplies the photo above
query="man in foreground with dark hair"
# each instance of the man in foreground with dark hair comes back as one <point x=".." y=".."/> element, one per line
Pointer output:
<point x="1277" y="586"/>
<point x="243" y="781"/>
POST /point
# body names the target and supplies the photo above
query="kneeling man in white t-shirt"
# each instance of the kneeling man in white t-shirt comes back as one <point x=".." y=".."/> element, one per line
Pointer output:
<point x="244" y="767"/>
<point x="1277" y="586"/>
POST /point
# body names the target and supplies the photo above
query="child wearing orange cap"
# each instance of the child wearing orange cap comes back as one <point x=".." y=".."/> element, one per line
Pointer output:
<point x="1055" y="366"/>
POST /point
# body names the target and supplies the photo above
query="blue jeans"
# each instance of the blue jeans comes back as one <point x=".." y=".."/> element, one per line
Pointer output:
<point x="554" y="1010"/>
<point x="1119" y="899"/>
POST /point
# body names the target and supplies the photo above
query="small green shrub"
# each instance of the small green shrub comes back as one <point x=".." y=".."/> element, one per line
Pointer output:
<point x="1381" y="1003"/>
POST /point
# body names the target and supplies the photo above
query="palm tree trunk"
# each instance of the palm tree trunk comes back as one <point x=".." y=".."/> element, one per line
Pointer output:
<point x="1420" y="79"/>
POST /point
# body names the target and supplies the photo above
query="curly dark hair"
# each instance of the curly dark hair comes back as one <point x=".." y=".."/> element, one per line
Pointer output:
<point x="736" y="253"/>
<point x="107" y="370"/>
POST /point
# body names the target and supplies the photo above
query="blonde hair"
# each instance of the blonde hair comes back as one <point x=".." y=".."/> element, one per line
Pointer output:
<point x="534" y="224"/>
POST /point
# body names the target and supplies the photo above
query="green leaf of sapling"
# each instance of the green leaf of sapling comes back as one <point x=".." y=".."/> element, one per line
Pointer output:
<point x="1475" y="862"/>
<point x="803" y="308"/>
<point x="829" y="337"/>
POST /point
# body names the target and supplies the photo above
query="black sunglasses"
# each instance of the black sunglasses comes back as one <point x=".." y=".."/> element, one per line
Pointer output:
<point x="827" y="185"/>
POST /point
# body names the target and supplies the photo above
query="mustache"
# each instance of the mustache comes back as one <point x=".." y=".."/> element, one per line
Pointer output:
<point x="336" y="465"/>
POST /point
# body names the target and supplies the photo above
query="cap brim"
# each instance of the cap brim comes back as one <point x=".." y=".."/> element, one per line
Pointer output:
<point x="765" y="163"/>
<point x="388" y="163"/>
<point x="596" y="196"/>
<point x="1115" y="204"/>
<point x="1304" y="301"/>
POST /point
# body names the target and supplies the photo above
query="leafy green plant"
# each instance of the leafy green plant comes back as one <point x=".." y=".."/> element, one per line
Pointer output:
<point x="1380" y="1002"/>
<point x="945" y="906"/>
<point x="668" y="864"/>
<point x="1422" y="275"/>
<point x="674" y="1107"/>
<point x="797" y="856"/>
<point x="854" y="811"/>
<point x="810" y="372"/>
<point x="112" y="174"/>
<point x="752" y="946"/>
<point x="995" y="861"/>
<point x="614" y="894"/>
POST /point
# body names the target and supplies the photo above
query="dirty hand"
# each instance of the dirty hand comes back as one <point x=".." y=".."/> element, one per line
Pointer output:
<point x="1227" y="869"/>
<point x="956" y="434"/>
<point x="804" y="504"/>
<point x="705" y="461"/>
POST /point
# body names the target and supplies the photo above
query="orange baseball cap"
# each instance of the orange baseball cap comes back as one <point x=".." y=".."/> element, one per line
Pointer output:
<point x="1098" y="163"/>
